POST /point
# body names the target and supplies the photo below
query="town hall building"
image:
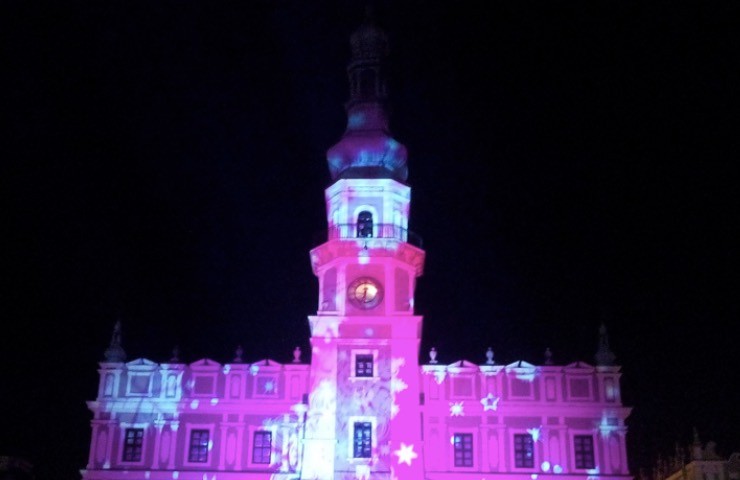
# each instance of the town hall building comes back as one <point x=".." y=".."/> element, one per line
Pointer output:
<point x="363" y="407"/>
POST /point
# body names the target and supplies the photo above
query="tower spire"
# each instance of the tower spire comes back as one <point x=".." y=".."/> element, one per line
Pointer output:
<point x="604" y="356"/>
<point x="366" y="149"/>
<point x="115" y="352"/>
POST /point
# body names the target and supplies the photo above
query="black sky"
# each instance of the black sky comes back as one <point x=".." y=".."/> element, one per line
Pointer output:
<point x="570" y="163"/>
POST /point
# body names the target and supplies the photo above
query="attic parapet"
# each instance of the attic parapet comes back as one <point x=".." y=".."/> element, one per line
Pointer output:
<point x="518" y="383"/>
<point x="265" y="380"/>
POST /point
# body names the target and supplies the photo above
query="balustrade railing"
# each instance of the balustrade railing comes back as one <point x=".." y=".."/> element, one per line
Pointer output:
<point x="385" y="230"/>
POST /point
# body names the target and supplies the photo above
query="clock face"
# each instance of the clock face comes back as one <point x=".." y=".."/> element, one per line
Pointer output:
<point x="365" y="292"/>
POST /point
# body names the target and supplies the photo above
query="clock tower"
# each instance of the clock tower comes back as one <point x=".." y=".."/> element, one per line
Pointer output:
<point x="364" y="418"/>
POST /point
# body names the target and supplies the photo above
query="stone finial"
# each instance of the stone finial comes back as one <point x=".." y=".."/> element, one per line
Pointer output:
<point x="238" y="354"/>
<point x="175" y="355"/>
<point x="548" y="356"/>
<point x="489" y="356"/>
<point x="433" y="356"/>
<point x="604" y="356"/>
<point x="297" y="355"/>
<point x="115" y="352"/>
<point x="697" y="452"/>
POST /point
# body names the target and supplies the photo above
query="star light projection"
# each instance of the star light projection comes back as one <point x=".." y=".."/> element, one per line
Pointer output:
<point x="405" y="454"/>
<point x="490" y="402"/>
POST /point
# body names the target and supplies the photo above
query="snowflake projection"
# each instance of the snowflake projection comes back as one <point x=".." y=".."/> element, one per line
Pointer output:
<point x="194" y="404"/>
<point x="557" y="469"/>
<point x="490" y="402"/>
<point x="362" y="472"/>
<point x="406" y="454"/>
<point x="535" y="432"/>
<point x="227" y="369"/>
<point x="269" y="386"/>
<point x="439" y="376"/>
<point x="396" y="364"/>
<point x="398" y="385"/>
<point x="456" y="409"/>
<point x="545" y="466"/>
<point x="254" y="369"/>
<point x="606" y="425"/>
<point x="534" y="476"/>
<point x="394" y="410"/>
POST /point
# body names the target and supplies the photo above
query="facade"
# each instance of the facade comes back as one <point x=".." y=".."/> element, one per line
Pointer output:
<point x="698" y="462"/>
<point x="363" y="407"/>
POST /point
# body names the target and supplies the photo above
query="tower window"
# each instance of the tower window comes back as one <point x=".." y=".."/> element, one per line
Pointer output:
<point x="364" y="365"/>
<point x="362" y="440"/>
<point x="365" y="224"/>
<point x="261" y="449"/>
<point x="198" y="451"/>
<point x="523" y="451"/>
<point x="583" y="446"/>
<point x="463" y="444"/>
<point x="132" y="444"/>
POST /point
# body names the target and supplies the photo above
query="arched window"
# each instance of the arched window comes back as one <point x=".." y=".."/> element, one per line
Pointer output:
<point x="365" y="224"/>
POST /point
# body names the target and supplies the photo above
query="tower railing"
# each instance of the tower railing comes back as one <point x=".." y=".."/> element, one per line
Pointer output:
<point x="383" y="230"/>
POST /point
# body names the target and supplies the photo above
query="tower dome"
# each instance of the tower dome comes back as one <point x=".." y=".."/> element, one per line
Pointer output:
<point x="367" y="150"/>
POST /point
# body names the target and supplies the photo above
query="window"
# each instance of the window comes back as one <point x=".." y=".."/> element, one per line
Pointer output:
<point x="363" y="440"/>
<point x="132" y="444"/>
<point x="262" y="447"/>
<point x="365" y="224"/>
<point x="523" y="451"/>
<point x="198" y="451"/>
<point x="463" y="444"/>
<point x="364" y="365"/>
<point x="584" y="451"/>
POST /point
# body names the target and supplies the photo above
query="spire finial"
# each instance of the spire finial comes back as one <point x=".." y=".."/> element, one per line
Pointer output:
<point x="548" y="356"/>
<point x="604" y="356"/>
<point x="115" y="352"/>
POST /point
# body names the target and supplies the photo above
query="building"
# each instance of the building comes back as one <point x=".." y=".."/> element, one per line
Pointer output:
<point x="363" y="407"/>
<point x="702" y="463"/>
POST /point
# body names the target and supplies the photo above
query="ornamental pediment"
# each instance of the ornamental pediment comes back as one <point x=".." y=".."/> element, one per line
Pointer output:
<point x="579" y="367"/>
<point x="205" y="364"/>
<point x="141" y="364"/>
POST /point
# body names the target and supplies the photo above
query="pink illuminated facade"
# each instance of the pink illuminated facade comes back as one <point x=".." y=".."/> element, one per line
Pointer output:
<point x="363" y="408"/>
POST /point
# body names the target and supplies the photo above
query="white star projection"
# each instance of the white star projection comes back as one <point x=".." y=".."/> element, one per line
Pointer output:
<point x="490" y="402"/>
<point x="456" y="409"/>
<point x="535" y="432"/>
<point x="439" y="376"/>
<point x="362" y="472"/>
<point x="398" y="385"/>
<point x="394" y="410"/>
<point x="406" y="454"/>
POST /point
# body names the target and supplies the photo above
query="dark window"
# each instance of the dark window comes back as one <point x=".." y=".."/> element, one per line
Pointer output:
<point x="262" y="447"/>
<point x="132" y="444"/>
<point x="198" y="446"/>
<point x="463" y="443"/>
<point x="584" y="449"/>
<point x="523" y="451"/>
<point x="364" y="365"/>
<point x="363" y="440"/>
<point x="365" y="224"/>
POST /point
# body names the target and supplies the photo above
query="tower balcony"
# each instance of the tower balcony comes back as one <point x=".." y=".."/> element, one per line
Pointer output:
<point x="353" y="231"/>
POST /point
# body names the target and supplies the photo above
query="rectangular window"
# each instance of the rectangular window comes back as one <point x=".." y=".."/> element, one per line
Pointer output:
<point x="132" y="444"/>
<point x="523" y="451"/>
<point x="262" y="447"/>
<point x="463" y="444"/>
<point x="198" y="451"/>
<point x="363" y="440"/>
<point x="584" y="450"/>
<point x="364" y="365"/>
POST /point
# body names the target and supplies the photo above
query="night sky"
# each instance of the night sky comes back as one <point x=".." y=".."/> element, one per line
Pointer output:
<point x="571" y="163"/>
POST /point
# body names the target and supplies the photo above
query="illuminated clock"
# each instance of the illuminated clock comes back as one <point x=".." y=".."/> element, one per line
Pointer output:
<point x="365" y="292"/>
